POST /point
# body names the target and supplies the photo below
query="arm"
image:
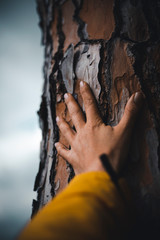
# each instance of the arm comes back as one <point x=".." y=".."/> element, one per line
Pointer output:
<point x="91" y="206"/>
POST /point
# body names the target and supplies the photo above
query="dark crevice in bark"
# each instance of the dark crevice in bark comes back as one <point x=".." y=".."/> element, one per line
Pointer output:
<point x="71" y="170"/>
<point x="45" y="11"/>
<point x="150" y="85"/>
<point x="101" y="62"/>
<point x="82" y="25"/>
<point x="72" y="173"/>
<point x="151" y="11"/>
<point x="59" y="1"/>
<point x="108" y="76"/>
<point x="75" y="60"/>
<point x="140" y="53"/>
<point x="61" y="38"/>
<point x="90" y="41"/>
<point x="103" y="104"/>
<point x="117" y="18"/>
<point x="52" y="82"/>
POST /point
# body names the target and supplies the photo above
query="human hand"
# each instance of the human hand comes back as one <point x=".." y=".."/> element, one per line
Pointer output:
<point x="92" y="137"/>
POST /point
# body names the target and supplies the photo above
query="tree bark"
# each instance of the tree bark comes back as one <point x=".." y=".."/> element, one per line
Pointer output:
<point x="115" y="47"/>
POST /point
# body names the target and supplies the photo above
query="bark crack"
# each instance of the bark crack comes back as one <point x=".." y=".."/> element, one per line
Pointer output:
<point x="82" y="32"/>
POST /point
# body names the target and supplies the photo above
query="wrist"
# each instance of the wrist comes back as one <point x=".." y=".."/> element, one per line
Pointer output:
<point x="97" y="166"/>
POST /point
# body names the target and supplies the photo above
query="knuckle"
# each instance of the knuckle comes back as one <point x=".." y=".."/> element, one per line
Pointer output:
<point x="95" y="126"/>
<point x="66" y="129"/>
<point x="97" y="123"/>
<point x="63" y="126"/>
<point x="75" y="112"/>
<point x="89" y="101"/>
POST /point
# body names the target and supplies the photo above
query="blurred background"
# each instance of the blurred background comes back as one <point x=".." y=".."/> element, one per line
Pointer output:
<point x="21" y="60"/>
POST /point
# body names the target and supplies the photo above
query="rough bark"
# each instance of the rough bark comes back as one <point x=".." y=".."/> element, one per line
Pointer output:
<point x="115" y="47"/>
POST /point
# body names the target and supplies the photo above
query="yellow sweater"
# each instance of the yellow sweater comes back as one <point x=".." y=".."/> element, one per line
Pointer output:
<point x="89" y="208"/>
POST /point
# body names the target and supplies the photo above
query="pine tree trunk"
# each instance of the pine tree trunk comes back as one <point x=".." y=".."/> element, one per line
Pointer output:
<point x="115" y="47"/>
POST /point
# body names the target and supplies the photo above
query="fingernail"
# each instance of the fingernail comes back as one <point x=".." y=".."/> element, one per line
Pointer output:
<point x="138" y="98"/>
<point x="81" y="83"/>
<point x="65" y="96"/>
<point x="57" y="119"/>
<point x="56" y="144"/>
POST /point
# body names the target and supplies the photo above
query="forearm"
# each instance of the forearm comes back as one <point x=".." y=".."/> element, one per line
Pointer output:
<point x="89" y="208"/>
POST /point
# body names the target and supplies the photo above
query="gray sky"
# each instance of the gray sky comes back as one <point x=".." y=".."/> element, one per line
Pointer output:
<point x="21" y="59"/>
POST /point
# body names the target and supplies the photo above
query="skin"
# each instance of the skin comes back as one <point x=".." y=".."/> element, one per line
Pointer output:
<point x="92" y="137"/>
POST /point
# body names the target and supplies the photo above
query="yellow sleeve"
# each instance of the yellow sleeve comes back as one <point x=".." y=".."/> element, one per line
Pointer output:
<point x="89" y="208"/>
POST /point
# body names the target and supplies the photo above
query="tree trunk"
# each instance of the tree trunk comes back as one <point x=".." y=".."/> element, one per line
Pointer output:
<point x="115" y="47"/>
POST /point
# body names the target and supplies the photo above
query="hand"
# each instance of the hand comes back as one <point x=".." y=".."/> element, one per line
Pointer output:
<point x="92" y="137"/>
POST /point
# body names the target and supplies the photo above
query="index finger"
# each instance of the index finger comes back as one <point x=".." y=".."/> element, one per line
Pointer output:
<point x="90" y="104"/>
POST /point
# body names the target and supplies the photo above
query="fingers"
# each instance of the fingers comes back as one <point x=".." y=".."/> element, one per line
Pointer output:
<point x="66" y="130"/>
<point x="62" y="151"/>
<point x="75" y="111"/>
<point x="90" y="105"/>
<point x="132" y="109"/>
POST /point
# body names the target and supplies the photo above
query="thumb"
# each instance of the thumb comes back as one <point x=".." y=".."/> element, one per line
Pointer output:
<point x="132" y="109"/>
